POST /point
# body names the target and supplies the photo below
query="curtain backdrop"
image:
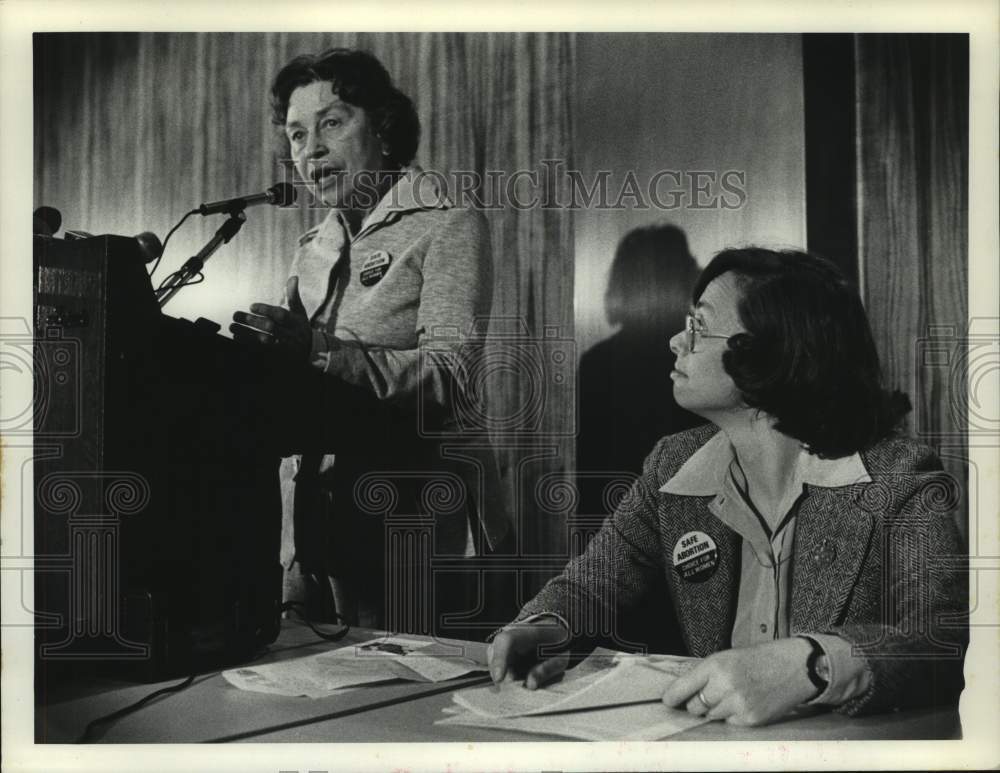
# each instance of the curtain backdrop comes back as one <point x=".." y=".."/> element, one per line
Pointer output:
<point x="913" y="104"/>
<point x="133" y="130"/>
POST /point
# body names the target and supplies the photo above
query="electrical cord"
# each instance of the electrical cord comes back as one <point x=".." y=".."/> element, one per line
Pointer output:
<point x="156" y="263"/>
<point x="290" y="605"/>
<point x="196" y="280"/>
<point x="89" y="732"/>
<point x="88" y="735"/>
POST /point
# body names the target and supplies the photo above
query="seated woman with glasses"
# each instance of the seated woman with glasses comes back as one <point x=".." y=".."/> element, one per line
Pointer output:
<point x="804" y="550"/>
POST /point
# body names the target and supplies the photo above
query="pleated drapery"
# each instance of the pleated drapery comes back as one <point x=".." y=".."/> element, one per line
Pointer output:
<point x="132" y="130"/>
<point x="913" y="107"/>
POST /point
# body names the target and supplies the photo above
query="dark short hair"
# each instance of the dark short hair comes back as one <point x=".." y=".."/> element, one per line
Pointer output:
<point x="359" y="78"/>
<point x="808" y="357"/>
<point x="652" y="273"/>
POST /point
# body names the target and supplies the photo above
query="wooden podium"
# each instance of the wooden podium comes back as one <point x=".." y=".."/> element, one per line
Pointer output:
<point x="157" y="509"/>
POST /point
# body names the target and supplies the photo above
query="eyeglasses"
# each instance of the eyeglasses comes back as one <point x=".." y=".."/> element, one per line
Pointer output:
<point x="693" y="332"/>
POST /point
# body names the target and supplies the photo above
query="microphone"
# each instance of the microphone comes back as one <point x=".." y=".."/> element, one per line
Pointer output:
<point x="149" y="246"/>
<point x="280" y="195"/>
<point x="149" y="243"/>
<point x="46" y="221"/>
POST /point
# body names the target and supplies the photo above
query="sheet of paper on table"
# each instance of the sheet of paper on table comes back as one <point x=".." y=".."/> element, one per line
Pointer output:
<point x="377" y="660"/>
<point x="608" y="699"/>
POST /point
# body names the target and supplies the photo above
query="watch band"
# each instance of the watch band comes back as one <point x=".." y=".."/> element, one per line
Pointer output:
<point x="811" y="662"/>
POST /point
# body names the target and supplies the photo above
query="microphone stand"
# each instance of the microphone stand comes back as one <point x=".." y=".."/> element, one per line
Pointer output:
<point x="194" y="264"/>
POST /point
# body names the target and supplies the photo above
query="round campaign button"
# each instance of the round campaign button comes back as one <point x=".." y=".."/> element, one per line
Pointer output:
<point x="696" y="556"/>
<point x="375" y="267"/>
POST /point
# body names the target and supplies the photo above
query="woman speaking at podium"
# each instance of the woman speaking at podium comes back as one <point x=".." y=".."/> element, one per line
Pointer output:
<point x="393" y="264"/>
<point x="798" y="545"/>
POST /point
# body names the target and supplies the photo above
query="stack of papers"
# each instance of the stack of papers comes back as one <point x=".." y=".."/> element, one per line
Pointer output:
<point x="377" y="660"/>
<point x="608" y="697"/>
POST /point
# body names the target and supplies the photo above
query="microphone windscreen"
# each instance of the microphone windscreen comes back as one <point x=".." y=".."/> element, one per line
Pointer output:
<point x="282" y="194"/>
<point x="39" y="227"/>
<point x="149" y="245"/>
<point x="46" y="221"/>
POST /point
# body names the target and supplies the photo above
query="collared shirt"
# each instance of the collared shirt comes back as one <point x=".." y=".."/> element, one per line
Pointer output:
<point x="326" y="249"/>
<point x="392" y="307"/>
<point x="762" y="611"/>
<point x="417" y="268"/>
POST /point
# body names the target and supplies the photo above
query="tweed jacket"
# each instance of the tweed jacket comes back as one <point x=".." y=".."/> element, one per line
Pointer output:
<point x="878" y="564"/>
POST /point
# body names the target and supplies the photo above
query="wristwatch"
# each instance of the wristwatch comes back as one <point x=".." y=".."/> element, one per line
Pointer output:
<point x="817" y="666"/>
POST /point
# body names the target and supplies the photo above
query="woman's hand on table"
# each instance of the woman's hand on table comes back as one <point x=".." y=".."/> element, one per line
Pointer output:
<point x="519" y="652"/>
<point x="746" y="686"/>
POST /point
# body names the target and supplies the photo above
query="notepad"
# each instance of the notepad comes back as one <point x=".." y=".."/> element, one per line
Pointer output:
<point x="614" y="698"/>
<point x="629" y="679"/>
